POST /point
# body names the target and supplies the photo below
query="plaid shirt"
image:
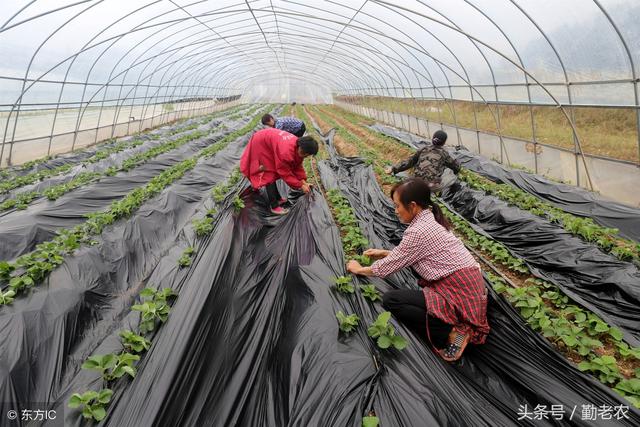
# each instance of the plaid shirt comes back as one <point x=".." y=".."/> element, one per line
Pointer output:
<point x="429" y="248"/>
<point x="288" y="124"/>
<point x="451" y="280"/>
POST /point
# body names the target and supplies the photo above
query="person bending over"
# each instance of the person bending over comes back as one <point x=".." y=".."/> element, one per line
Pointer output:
<point x="273" y="154"/>
<point x="451" y="308"/>
<point x="287" y="124"/>
<point x="429" y="162"/>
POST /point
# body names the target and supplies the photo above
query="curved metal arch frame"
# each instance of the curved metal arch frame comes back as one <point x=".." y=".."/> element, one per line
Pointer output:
<point x="405" y="64"/>
<point x="190" y="35"/>
<point x="225" y="78"/>
<point x="328" y="76"/>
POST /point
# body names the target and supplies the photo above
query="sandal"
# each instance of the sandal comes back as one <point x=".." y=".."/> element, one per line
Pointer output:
<point x="457" y="343"/>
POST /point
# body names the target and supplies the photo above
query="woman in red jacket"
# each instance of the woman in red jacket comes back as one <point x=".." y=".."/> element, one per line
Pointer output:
<point x="274" y="154"/>
<point x="451" y="308"/>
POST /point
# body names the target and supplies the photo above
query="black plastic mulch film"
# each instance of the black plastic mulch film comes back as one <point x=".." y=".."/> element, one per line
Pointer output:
<point x="252" y="339"/>
<point x="22" y="230"/>
<point x="598" y="281"/>
<point x="569" y="198"/>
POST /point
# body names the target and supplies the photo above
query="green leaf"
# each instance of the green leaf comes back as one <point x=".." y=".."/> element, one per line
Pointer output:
<point x="147" y="293"/>
<point x="545" y="322"/>
<point x="527" y="312"/>
<point x="98" y="413"/>
<point x="384" y="341"/>
<point x="370" y="422"/>
<point x="129" y="370"/>
<point x="105" y="395"/>
<point x="370" y="292"/>
<point x="616" y="334"/>
<point x="570" y="341"/>
<point x="580" y="317"/>
<point x="400" y="343"/>
<point x="347" y="323"/>
<point x="383" y="318"/>
<point x="584" y="366"/>
<point x="75" y="401"/>
<point x="631" y="386"/>
<point x="100" y="362"/>
<point x="601" y="327"/>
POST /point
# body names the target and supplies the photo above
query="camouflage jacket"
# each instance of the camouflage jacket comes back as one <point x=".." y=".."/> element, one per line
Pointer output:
<point x="429" y="163"/>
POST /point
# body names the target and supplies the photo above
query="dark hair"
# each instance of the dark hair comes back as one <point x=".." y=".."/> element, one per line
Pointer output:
<point x="439" y="137"/>
<point x="266" y="119"/>
<point x="308" y="145"/>
<point x="293" y="103"/>
<point x="417" y="190"/>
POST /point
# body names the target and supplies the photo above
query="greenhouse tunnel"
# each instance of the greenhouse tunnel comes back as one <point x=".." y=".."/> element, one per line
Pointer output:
<point x="123" y="124"/>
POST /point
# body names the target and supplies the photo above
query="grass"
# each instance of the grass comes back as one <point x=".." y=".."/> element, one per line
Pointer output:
<point x="609" y="132"/>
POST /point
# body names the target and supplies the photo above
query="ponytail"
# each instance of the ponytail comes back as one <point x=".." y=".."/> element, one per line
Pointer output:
<point x="418" y="191"/>
<point x="439" y="216"/>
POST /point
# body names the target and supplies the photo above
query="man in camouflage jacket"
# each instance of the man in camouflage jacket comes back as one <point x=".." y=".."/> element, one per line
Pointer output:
<point x="429" y="162"/>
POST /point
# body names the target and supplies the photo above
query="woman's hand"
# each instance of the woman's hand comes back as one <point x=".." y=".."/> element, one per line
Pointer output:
<point x="376" y="253"/>
<point x="354" y="267"/>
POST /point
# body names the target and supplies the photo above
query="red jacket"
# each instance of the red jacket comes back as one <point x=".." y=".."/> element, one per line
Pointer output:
<point x="277" y="151"/>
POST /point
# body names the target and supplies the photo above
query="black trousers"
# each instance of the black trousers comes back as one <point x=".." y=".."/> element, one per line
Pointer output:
<point x="301" y="132"/>
<point x="409" y="307"/>
<point x="273" y="195"/>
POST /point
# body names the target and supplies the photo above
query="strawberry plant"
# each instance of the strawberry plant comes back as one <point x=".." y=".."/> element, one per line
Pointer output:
<point x="79" y="180"/>
<point x="595" y="325"/>
<point x="352" y="238"/>
<point x="155" y="308"/>
<point x="604" y="367"/>
<point x="630" y="389"/>
<point x="219" y="193"/>
<point x="124" y="365"/>
<point x="370" y="421"/>
<point x="343" y="284"/>
<point x="161" y="295"/>
<point x="363" y="260"/>
<point x="21" y="201"/>
<point x="93" y="403"/>
<point x="185" y="259"/>
<point x="133" y="342"/>
<point x="386" y="333"/>
<point x="5" y="270"/>
<point x="607" y="239"/>
<point x="581" y="332"/>
<point x="370" y="292"/>
<point x="497" y="251"/>
<point x="7" y="297"/>
<point x="628" y="352"/>
<point x="203" y="226"/>
<point x="45" y="258"/>
<point x="347" y="323"/>
<point x="21" y="283"/>
<point x="111" y="171"/>
<point x="112" y="366"/>
<point x="98" y="220"/>
<point x="238" y="204"/>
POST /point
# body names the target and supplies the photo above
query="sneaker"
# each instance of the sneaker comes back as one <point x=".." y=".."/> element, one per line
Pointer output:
<point x="279" y="211"/>
<point x="456" y="345"/>
<point x="282" y="201"/>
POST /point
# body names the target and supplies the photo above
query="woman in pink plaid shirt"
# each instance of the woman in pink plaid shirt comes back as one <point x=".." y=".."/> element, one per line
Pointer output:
<point x="451" y="308"/>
